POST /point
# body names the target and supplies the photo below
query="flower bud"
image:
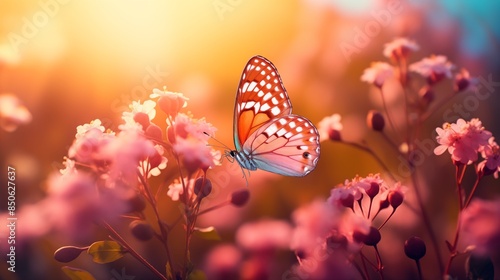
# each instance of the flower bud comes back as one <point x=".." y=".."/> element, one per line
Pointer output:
<point x="136" y="203"/>
<point x="426" y="96"/>
<point x="240" y="198"/>
<point x="141" y="230"/>
<point x="462" y="81"/>
<point x="334" y="135"/>
<point x="155" y="160"/>
<point x="395" y="198"/>
<point x="153" y="131"/>
<point x="348" y="201"/>
<point x="142" y="119"/>
<point x="415" y="248"/>
<point x="375" y="120"/>
<point x="68" y="253"/>
<point x="384" y="204"/>
<point x="483" y="170"/>
<point x="373" y="237"/>
<point x="202" y="190"/>
<point x="171" y="104"/>
<point x="373" y="190"/>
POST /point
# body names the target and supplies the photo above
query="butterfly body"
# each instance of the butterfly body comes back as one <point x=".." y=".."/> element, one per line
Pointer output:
<point x="267" y="135"/>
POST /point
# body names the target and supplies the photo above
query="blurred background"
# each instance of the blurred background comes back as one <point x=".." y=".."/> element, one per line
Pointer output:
<point x="70" y="62"/>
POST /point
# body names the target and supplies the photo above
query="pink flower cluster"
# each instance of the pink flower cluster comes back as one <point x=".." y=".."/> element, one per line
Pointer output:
<point x="464" y="140"/>
<point x="332" y="232"/>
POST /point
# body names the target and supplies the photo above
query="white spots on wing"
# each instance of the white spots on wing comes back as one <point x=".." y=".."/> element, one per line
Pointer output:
<point x="282" y="95"/>
<point x="263" y="63"/>
<point x="292" y="124"/>
<point x="256" y="107"/>
<point x="299" y="129"/>
<point x="256" y="89"/>
<point x="262" y="83"/>
<point x="273" y="73"/>
<point x="260" y="94"/>
<point x="288" y="135"/>
<point x="282" y="121"/>
<point x="243" y="76"/>
<point x="275" y="81"/>
<point x="275" y="111"/>
<point x="263" y="72"/>
<point x="252" y="85"/>
<point x="257" y="68"/>
<point x="249" y="104"/>
<point x="245" y="87"/>
<point x="274" y="101"/>
<point x="268" y="77"/>
<point x="268" y="86"/>
<point x="285" y="105"/>
<point x="265" y="107"/>
<point x="281" y="132"/>
<point x="271" y="129"/>
<point x="276" y="88"/>
<point x="269" y="68"/>
<point x="302" y="147"/>
<point x="267" y="96"/>
<point x="238" y="106"/>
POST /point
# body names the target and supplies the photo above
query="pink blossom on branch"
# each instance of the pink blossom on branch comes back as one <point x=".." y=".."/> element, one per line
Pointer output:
<point x="330" y="127"/>
<point x="400" y="48"/>
<point x="378" y="73"/>
<point x="491" y="155"/>
<point x="433" y="68"/>
<point x="480" y="226"/>
<point x="463" y="140"/>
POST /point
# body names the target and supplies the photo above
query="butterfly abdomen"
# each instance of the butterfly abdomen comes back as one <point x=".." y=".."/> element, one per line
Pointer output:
<point x="244" y="160"/>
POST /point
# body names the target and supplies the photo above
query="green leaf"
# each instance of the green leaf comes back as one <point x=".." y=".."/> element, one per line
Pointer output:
<point x="76" y="273"/>
<point x="197" y="275"/>
<point x="106" y="251"/>
<point x="208" y="233"/>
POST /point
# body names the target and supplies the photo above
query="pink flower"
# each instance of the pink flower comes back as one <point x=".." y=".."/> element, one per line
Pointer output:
<point x="81" y="130"/>
<point x="175" y="190"/>
<point x="185" y="126"/>
<point x="194" y="154"/>
<point x="481" y="227"/>
<point x="463" y="81"/>
<point x="148" y="108"/>
<point x="89" y="142"/>
<point x="399" y="48"/>
<point x="74" y="204"/>
<point x="434" y="68"/>
<point x="223" y="262"/>
<point x="491" y="154"/>
<point x="313" y="224"/>
<point x="155" y="163"/>
<point x="463" y="140"/>
<point x="169" y="102"/>
<point x="330" y="127"/>
<point x="12" y="112"/>
<point x="378" y="73"/>
<point x="123" y="154"/>
<point x="264" y="235"/>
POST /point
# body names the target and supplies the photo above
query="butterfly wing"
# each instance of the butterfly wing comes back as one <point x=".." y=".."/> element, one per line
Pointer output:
<point x="287" y="145"/>
<point x="261" y="97"/>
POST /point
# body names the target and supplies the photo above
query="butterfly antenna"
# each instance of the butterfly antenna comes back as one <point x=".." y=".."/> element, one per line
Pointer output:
<point x="223" y="145"/>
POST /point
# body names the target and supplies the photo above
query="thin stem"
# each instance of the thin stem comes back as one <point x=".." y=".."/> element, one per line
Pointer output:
<point x="393" y="127"/>
<point x="164" y="232"/>
<point x="460" y="171"/>
<point x="478" y="179"/>
<point x="427" y="223"/>
<point x="131" y="250"/>
<point x="386" y="220"/>
<point x="419" y="269"/>
<point x="380" y="265"/>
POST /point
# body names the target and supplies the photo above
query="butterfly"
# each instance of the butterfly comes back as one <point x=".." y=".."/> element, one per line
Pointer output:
<point x="267" y="135"/>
